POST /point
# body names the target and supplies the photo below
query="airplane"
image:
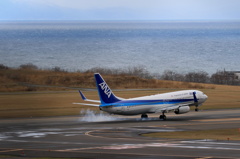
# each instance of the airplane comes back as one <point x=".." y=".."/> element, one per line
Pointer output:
<point x="178" y="101"/>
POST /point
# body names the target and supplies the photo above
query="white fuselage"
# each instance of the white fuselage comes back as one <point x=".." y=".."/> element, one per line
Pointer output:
<point x="154" y="103"/>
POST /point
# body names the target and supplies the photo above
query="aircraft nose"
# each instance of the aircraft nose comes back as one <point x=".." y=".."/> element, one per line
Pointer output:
<point x="205" y="97"/>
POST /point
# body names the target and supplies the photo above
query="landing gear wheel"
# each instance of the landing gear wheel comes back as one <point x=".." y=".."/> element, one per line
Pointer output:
<point x="144" y="116"/>
<point x="163" y="117"/>
<point x="196" y="109"/>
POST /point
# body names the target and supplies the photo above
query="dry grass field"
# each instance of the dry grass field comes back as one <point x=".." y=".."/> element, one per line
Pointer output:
<point x="15" y="80"/>
<point x="55" y="103"/>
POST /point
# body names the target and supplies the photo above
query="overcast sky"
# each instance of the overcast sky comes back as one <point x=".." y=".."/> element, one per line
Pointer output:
<point x="119" y="9"/>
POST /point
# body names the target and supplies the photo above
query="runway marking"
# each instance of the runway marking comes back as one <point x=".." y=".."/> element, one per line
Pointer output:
<point x="122" y="147"/>
<point x="225" y="119"/>
<point x="168" y="145"/>
<point x="115" y="131"/>
<point x="11" y="150"/>
<point x="88" y="133"/>
<point x="196" y="123"/>
<point x="207" y="142"/>
<point x="47" y="142"/>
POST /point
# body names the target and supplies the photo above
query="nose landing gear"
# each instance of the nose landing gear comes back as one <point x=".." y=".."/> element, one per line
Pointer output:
<point x="195" y="101"/>
<point x="196" y="109"/>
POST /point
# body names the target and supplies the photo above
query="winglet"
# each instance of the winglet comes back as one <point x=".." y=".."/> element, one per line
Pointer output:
<point x="82" y="95"/>
<point x="85" y="99"/>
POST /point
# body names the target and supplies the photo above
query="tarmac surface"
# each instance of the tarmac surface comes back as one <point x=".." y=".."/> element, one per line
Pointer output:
<point x="103" y="136"/>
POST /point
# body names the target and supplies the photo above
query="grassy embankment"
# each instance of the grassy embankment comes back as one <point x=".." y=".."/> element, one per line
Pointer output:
<point x="215" y="134"/>
<point x="54" y="103"/>
<point x="13" y="80"/>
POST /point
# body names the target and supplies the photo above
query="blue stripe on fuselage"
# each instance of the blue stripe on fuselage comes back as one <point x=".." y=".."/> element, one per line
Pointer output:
<point x="145" y="102"/>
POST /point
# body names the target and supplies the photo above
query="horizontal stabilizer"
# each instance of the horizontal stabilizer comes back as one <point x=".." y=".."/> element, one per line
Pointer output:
<point x="94" y="105"/>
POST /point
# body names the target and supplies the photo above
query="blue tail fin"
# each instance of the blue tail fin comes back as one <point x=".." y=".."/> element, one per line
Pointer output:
<point x="105" y="93"/>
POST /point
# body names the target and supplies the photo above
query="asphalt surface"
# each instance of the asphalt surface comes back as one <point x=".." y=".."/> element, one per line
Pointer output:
<point x="103" y="136"/>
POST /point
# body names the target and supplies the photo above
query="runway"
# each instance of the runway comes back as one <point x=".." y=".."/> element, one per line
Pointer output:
<point x="118" y="136"/>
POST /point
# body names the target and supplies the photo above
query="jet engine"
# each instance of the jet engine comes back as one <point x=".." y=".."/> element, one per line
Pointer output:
<point x="182" y="110"/>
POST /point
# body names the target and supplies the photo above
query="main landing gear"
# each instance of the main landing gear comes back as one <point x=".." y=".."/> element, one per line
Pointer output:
<point x="163" y="117"/>
<point x="144" y="116"/>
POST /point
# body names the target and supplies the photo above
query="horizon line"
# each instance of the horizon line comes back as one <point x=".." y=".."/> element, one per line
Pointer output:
<point x="158" y="20"/>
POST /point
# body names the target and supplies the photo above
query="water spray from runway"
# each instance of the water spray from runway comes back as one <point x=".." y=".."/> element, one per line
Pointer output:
<point x="94" y="116"/>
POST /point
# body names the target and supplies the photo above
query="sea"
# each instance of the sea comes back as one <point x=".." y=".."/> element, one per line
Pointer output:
<point x="156" y="46"/>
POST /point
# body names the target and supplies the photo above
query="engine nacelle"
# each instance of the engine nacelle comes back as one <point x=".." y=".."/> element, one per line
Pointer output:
<point x="182" y="110"/>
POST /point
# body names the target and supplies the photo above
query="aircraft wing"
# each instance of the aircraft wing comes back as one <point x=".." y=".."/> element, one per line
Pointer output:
<point x="94" y="105"/>
<point x="168" y="109"/>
